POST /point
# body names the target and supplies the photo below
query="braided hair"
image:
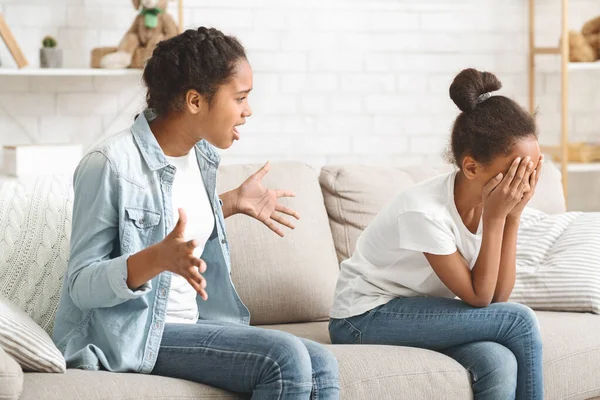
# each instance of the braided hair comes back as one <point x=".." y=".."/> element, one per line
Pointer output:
<point x="201" y="59"/>
<point x="488" y="126"/>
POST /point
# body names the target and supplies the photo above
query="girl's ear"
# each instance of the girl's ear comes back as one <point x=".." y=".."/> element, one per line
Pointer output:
<point x="470" y="167"/>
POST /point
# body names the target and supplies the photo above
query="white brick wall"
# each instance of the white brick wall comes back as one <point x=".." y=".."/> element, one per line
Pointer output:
<point x="335" y="81"/>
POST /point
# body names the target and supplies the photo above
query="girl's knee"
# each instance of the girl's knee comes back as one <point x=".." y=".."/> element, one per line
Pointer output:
<point x="524" y="315"/>
<point x="324" y="363"/>
<point x="496" y="371"/>
<point x="290" y="357"/>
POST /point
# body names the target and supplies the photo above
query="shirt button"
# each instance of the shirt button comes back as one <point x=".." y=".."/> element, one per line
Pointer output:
<point x="224" y="241"/>
<point x="163" y="292"/>
<point x="141" y="221"/>
<point x="157" y="325"/>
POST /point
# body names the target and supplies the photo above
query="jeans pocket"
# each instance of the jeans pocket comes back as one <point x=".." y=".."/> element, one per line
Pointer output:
<point x="342" y="331"/>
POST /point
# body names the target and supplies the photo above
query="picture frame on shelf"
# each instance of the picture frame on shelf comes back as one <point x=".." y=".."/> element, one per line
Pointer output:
<point x="11" y="43"/>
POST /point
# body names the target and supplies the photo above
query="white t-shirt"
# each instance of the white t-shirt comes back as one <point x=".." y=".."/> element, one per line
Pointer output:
<point x="389" y="262"/>
<point x="190" y="194"/>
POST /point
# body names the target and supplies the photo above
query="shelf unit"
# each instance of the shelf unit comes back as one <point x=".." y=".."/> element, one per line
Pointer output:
<point x="563" y="51"/>
<point x="76" y="73"/>
<point x="27" y="71"/>
<point x="80" y="72"/>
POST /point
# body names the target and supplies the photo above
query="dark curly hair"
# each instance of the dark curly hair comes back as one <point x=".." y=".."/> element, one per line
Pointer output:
<point x="201" y="59"/>
<point x="488" y="125"/>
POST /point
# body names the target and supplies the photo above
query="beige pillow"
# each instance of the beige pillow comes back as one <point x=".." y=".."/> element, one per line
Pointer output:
<point x="354" y="194"/>
<point x="289" y="279"/>
<point x="27" y="342"/>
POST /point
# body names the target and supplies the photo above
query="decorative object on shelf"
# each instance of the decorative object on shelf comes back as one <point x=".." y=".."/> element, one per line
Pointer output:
<point x="567" y="54"/>
<point x="580" y="152"/>
<point x="25" y="160"/>
<point x="152" y="25"/>
<point x="584" y="46"/>
<point x="11" y="43"/>
<point x="50" y="55"/>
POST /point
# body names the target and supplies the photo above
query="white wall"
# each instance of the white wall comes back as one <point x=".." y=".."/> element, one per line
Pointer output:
<point x="335" y="81"/>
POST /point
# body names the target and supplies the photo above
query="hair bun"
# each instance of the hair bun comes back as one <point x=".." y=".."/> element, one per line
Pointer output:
<point x="469" y="85"/>
<point x="205" y="33"/>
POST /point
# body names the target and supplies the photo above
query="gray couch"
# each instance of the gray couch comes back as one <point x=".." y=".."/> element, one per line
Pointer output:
<point x="288" y="285"/>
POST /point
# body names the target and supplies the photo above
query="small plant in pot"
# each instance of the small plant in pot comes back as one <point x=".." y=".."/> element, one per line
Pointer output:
<point x="50" y="56"/>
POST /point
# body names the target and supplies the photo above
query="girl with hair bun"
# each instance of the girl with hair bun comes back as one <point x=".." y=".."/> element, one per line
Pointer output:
<point x="455" y="236"/>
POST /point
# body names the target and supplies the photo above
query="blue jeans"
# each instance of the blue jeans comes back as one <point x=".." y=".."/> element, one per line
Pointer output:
<point x="500" y="345"/>
<point x="266" y="363"/>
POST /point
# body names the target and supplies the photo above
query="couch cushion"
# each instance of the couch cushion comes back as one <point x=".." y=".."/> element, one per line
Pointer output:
<point x="571" y="347"/>
<point x="571" y="355"/>
<point x="102" y="385"/>
<point x="571" y="365"/>
<point x="11" y="377"/>
<point x="283" y="279"/>
<point x="354" y="194"/>
<point x="389" y="372"/>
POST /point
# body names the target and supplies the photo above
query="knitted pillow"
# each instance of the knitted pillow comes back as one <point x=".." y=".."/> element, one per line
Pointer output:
<point x="35" y="227"/>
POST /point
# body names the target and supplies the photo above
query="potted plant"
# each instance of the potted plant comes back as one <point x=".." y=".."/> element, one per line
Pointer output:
<point x="50" y="56"/>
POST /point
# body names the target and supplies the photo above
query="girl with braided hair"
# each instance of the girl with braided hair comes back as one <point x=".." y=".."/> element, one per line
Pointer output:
<point x="149" y="243"/>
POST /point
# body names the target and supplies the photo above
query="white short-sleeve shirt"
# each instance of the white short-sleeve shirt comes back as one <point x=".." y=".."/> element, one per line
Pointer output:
<point x="389" y="262"/>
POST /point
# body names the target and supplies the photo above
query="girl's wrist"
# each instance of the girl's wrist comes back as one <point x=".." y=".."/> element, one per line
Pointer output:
<point x="514" y="218"/>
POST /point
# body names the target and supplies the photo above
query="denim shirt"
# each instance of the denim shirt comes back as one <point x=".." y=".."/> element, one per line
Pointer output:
<point x="122" y="205"/>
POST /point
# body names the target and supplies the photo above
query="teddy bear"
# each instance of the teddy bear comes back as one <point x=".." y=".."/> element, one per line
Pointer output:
<point x="584" y="46"/>
<point x="152" y="25"/>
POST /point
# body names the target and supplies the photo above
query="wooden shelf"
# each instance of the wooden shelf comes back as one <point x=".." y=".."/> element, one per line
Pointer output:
<point x="582" y="66"/>
<point x="546" y="50"/>
<point x="550" y="151"/>
<point x="583" y="167"/>
<point x="69" y="72"/>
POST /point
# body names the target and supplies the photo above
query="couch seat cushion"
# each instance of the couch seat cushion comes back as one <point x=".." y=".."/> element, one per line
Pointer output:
<point x="571" y="370"/>
<point x="571" y="346"/>
<point x="102" y="385"/>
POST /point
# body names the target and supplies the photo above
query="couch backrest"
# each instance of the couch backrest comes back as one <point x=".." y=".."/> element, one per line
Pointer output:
<point x="282" y="280"/>
<point x="290" y="279"/>
<point x="354" y="194"/>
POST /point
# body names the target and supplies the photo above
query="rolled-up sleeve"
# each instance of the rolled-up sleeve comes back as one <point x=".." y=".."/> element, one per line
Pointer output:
<point x="95" y="279"/>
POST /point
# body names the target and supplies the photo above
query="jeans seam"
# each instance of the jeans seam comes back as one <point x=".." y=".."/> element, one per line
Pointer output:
<point x="356" y="329"/>
<point x="530" y="378"/>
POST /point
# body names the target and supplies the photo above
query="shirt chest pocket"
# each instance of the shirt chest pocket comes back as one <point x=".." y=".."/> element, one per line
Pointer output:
<point x="140" y="228"/>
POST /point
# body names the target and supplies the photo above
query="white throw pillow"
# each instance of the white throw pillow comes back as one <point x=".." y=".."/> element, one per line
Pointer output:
<point x="35" y="229"/>
<point x="27" y="342"/>
<point x="557" y="261"/>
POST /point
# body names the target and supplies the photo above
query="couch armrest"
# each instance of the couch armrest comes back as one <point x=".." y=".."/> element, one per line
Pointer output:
<point x="11" y="377"/>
